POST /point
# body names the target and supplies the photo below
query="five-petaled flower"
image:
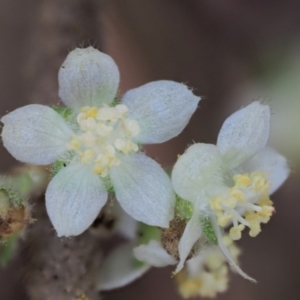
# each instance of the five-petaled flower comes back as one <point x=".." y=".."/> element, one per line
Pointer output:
<point x="100" y="142"/>
<point x="230" y="182"/>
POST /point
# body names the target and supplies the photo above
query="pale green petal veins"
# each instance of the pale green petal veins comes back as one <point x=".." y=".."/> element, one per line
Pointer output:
<point x="244" y="134"/>
<point x="274" y="164"/>
<point x="35" y="134"/>
<point x="162" y="108"/>
<point x="74" y="198"/>
<point x="154" y="254"/>
<point x="120" y="269"/>
<point x="144" y="190"/>
<point x="199" y="168"/>
<point x="88" y="77"/>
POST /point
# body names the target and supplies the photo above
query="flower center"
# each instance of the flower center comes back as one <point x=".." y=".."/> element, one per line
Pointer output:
<point x="247" y="203"/>
<point x="105" y="134"/>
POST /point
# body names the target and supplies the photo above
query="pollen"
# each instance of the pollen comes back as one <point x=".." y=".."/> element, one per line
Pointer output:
<point x="246" y="204"/>
<point x="103" y="136"/>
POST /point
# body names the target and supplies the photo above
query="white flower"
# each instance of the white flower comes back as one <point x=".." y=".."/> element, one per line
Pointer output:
<point x="103" y="142"/>
<point x="231" y="182"/>
<point x="128" y="262"/>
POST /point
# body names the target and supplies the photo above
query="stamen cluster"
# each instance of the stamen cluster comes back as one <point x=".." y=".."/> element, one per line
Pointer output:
<point x="246" y="204"/>
<point x="105" y="133"/>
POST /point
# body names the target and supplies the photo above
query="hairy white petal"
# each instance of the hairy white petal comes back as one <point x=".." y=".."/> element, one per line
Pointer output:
<point x="244" y="133"/>
<point x="154" y="254"/>
<point x="226" y="252"/>
<point x="271" y="162"/>
<point x="88" y="77"/>
<point x="35" y="134"/>
<point x="191" y="234"/>
<point x="120" y="269"/>
<point x="162" y="108"/>
<point x="144" y="190"/>
<point x="74" y="198"/>
<point x="198" y="168"/>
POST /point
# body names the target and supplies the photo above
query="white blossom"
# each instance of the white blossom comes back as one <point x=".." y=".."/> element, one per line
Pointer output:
<point x="230" y="182"/>
<point x="102" y="144"/>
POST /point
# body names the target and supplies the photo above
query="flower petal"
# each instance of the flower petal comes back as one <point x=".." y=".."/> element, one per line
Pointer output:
<point x="195" y="170"/>
<point x="144" y="190"/>
<point x="271" y="162"/>
<point x="244" y="133"/>
<point x="226" y="252"/>
<point x="35" y="134"/>
<point x="154" y="255"/>
<point x="88" y="77"/>
<point x="120" y="269"/>
<point x="191" y="234"/>
<point x="126" y="225"/>
<point x="74" y="198"/>
<point x="162" y="108"/>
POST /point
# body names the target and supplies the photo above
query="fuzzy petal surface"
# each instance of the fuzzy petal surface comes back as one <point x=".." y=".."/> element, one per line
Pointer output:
<point x="35" y="134"/>
<point x="274" y="164"/>
<point x="162" y="108"/>
<point x="191" y="234"/>
<point x="74" y="198"/>
<point x="198" y="168"/>
<point x="244" y="134"/>
<point x="120" y="269"/>
<point x="154" y="254"/>
<point x="88" y="77"/>
<point x="144" y="190"/>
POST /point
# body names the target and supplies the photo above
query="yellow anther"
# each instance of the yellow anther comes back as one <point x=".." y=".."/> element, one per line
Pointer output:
<point x="92" y="112"/>
<point x="223" y="219"/>
<point x="230" y="202"/>
<point x="238" y="194"/>
<point x="215" y="203"/>
<point x="236" y="232"/>
<point x="265" y="201"/>
<point x="254" y="221"/>
<point x="242" y="179"/>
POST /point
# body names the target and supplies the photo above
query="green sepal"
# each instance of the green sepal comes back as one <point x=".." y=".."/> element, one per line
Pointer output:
<point x="8" y="250"/>
<point x="208" y="231"/>
<point x="148" y="233"/>
<point x="57" y="166"/>
<point x="9" y="192"/>
<point x="65" y="112"/>
<point x="183" y="208"/>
